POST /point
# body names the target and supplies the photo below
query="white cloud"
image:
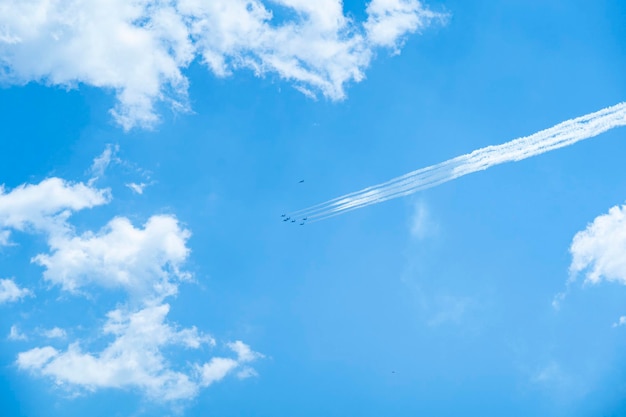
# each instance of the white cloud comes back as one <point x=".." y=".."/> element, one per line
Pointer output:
<point x="10" y="292"/>
<point x="135" y="358"/>
<point x="620" y="322"/>
<point x="140" y="48"/>
<point x="36" y="358"/>
<point x="389" y="20"/>
<point x="135" y="48"/>
<point x="600" y="250"/>
<point x="145" y="262"/>
<point x="47" y="205"/>
<point x="15" y="334"/>
<point x="54" y="333"/>
<point x="216" y="370"/>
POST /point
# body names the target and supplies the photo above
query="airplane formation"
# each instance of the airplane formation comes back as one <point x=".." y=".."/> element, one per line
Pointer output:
<point x="288" y="218"/>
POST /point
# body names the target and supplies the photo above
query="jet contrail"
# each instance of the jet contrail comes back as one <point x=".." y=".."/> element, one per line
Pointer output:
<point x="559" y="136"/>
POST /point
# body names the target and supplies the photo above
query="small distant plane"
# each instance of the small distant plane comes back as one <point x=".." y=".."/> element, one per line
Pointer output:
<point x="302" y="224"/>
<point x="304" y="219"/>
<point x="282" y="215"/>
<point x="293" y="221"/>
<point x="300" y="182"/>
<point x="285" y="219"/>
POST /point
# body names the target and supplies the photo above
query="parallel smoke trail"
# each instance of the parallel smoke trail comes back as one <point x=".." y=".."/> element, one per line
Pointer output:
<point x="559" y="136"/>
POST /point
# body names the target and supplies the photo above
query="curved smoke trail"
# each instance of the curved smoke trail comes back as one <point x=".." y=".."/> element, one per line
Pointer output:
<point x="559" y="136"/>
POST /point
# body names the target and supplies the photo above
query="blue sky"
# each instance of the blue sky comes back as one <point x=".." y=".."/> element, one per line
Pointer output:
<point x="149" y="151"/>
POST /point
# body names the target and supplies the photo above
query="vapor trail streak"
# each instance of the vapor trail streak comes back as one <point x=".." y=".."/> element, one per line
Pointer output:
<point x="564" y="134"/>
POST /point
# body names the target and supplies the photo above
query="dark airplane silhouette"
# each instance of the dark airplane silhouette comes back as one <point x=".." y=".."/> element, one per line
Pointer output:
<point x="301" y="181"/>
<point x="285" y="219"/>
<point x="282" y="215"/>
<point x="305" y="218"/>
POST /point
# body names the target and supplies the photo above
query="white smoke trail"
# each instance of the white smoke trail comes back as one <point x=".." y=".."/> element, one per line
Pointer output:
<point x="559" y="136"/>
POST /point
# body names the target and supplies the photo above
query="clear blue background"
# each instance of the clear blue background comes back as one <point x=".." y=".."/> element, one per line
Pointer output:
<point x="356" y="316"/>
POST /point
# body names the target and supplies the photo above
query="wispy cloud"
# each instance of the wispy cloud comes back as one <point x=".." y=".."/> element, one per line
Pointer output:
<point x="449" y="309"/>
<point x="15" y="334"/>
<point x="140" y="48"/>
<point x="5" y="236"/>
<point x="11" y="292"/>
<point x="560" y="382"/>
<point x="54" y="333"/>
<point x="102" y="162"/>
<point x="562" y="135"/>
<point x="620" y="322"/>
<point x="422" y="224"/>
<point x="137" y="188"/>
